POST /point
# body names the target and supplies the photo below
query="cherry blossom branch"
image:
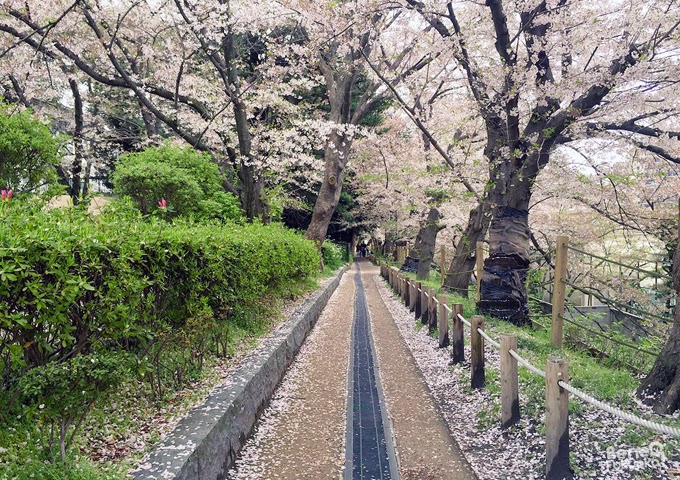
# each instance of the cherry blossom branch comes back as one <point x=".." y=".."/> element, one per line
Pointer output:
<point x="91" y="70"/>
<point x="414" y="118"/>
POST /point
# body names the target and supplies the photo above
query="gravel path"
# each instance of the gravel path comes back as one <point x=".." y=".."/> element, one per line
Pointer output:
<point x="301" y="434"/>
<point x="425" y="448"/>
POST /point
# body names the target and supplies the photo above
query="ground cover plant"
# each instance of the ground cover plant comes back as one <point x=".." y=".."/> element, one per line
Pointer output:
<point x="99" y="312"/>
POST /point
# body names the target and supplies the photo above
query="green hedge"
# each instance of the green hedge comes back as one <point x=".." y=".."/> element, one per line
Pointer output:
<point x="69" y="281"/>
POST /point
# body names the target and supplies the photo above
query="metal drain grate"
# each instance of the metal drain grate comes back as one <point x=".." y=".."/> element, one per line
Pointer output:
<point x="368" y="440"/>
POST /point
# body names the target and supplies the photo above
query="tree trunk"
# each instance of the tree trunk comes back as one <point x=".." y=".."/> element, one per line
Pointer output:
<point x="251" y="195"/>
<point x="335" y="153"/>
<point x="463" y="262"/>
<point x="428" y="240"/>
<point x="503" y="289"/>
<point x="421" y="256"/>
<point x="661" y="388"/>
<point x="252" y="199"/>
<point x="78" y="143"/>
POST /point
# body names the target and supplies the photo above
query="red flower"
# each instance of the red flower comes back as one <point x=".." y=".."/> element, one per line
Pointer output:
<point x="6" y="195"/>
<point x="163" y="204"/>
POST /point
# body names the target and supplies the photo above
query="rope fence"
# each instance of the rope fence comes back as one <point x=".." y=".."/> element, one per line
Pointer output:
<point x="609" y="301"/>
<point x="434" y="312"/>
<point x="617" y="412"/>
<point x="614" y="262"/>
<point x="609" y="338"/>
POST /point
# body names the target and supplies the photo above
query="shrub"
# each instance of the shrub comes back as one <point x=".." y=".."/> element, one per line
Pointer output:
<point x="333" y="255"/>
<point x="187" y="179"/>
<point x="28" y="150"/>
<point x="66" y="391"/>
<point x="69" y="281"/>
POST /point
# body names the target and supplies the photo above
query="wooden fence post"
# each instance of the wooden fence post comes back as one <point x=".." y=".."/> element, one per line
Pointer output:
<point x="477" y="353"/>
<point x="479" y="269"/>
<point x="556" y="420"/>
<point x="424" y="306"/>
<point x="557" y="324"/>
<point x="404" y="279"/>
<point x="443" y="264"/>
<point x="443" y="322"/>
<point x="509" y="382"/>
<point x="412" y="296"/>
<point x="432" y="314"/>
<point x="457" y="339"/>
<point x="407" y="292"/>
<point x="418" y="301"/>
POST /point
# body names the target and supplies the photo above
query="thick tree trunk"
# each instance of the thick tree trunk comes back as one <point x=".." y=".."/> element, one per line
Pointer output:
<point x="661" y="388"/>
<point x="463" y="261"/>
<point x="503" y="289"/>
<point x="428" y="240"/>
<point x="419" y="259"/>
<point x="335" y="153"/>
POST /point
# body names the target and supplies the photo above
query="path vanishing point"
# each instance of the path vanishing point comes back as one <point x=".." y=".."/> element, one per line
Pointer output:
<point x="353" y="405"/>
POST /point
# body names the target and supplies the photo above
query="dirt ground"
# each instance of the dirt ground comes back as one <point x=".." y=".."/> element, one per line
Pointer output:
<point x="302" y="433"/>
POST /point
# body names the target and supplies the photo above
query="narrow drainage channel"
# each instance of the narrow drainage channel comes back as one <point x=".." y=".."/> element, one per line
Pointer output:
<point x="370" y="450"/>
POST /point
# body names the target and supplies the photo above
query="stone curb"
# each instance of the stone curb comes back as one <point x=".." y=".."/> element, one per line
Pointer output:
<point x="205" y="443"/>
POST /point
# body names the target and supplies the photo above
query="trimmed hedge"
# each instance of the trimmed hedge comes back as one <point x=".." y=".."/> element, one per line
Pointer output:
<point x="70" y="281"/>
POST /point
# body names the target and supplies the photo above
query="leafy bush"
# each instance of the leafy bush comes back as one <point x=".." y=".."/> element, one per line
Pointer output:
<point x="333" y="255"/>
<point x="65" y="392"/>
<point x="28" y="150"/>
<point x="187" y="179"/>
<point x="70" y="283"/>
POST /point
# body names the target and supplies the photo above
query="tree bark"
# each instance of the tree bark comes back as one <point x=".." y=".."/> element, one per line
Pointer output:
<point x="428" y="240"/>
<point x="463" y="261"/>
<point x="661" y="388"/>
<point x="78" y="143"/>
<point x="251" y="194"/>
<point x="419" y="259"/>
<point x="503" y="289"/>
<point x="336" y="154"/>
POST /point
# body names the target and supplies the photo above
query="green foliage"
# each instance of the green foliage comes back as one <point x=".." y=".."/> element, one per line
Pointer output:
<point x="29" y="152"/>
<point x="70" y="280"/>
<point x="86" y="302"/>
<point x="65" y="392"/>
<point x="34" y="468"/>
<point x="187" y="179"/>
<point x="333" y="255"/>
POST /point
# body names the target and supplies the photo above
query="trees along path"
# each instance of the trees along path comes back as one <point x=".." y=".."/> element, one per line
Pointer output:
<point x="378" y="422"/>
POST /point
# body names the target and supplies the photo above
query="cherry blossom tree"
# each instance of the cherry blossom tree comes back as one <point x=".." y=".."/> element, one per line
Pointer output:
<point x="547" y="85"/>
<point x="208" y="70"/>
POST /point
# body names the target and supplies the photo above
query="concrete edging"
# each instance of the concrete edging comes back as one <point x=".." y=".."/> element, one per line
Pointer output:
<point x="205" y="443"/>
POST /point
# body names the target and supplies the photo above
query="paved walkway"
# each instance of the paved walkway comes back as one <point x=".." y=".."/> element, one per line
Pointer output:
<point x="354" y="404"/>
